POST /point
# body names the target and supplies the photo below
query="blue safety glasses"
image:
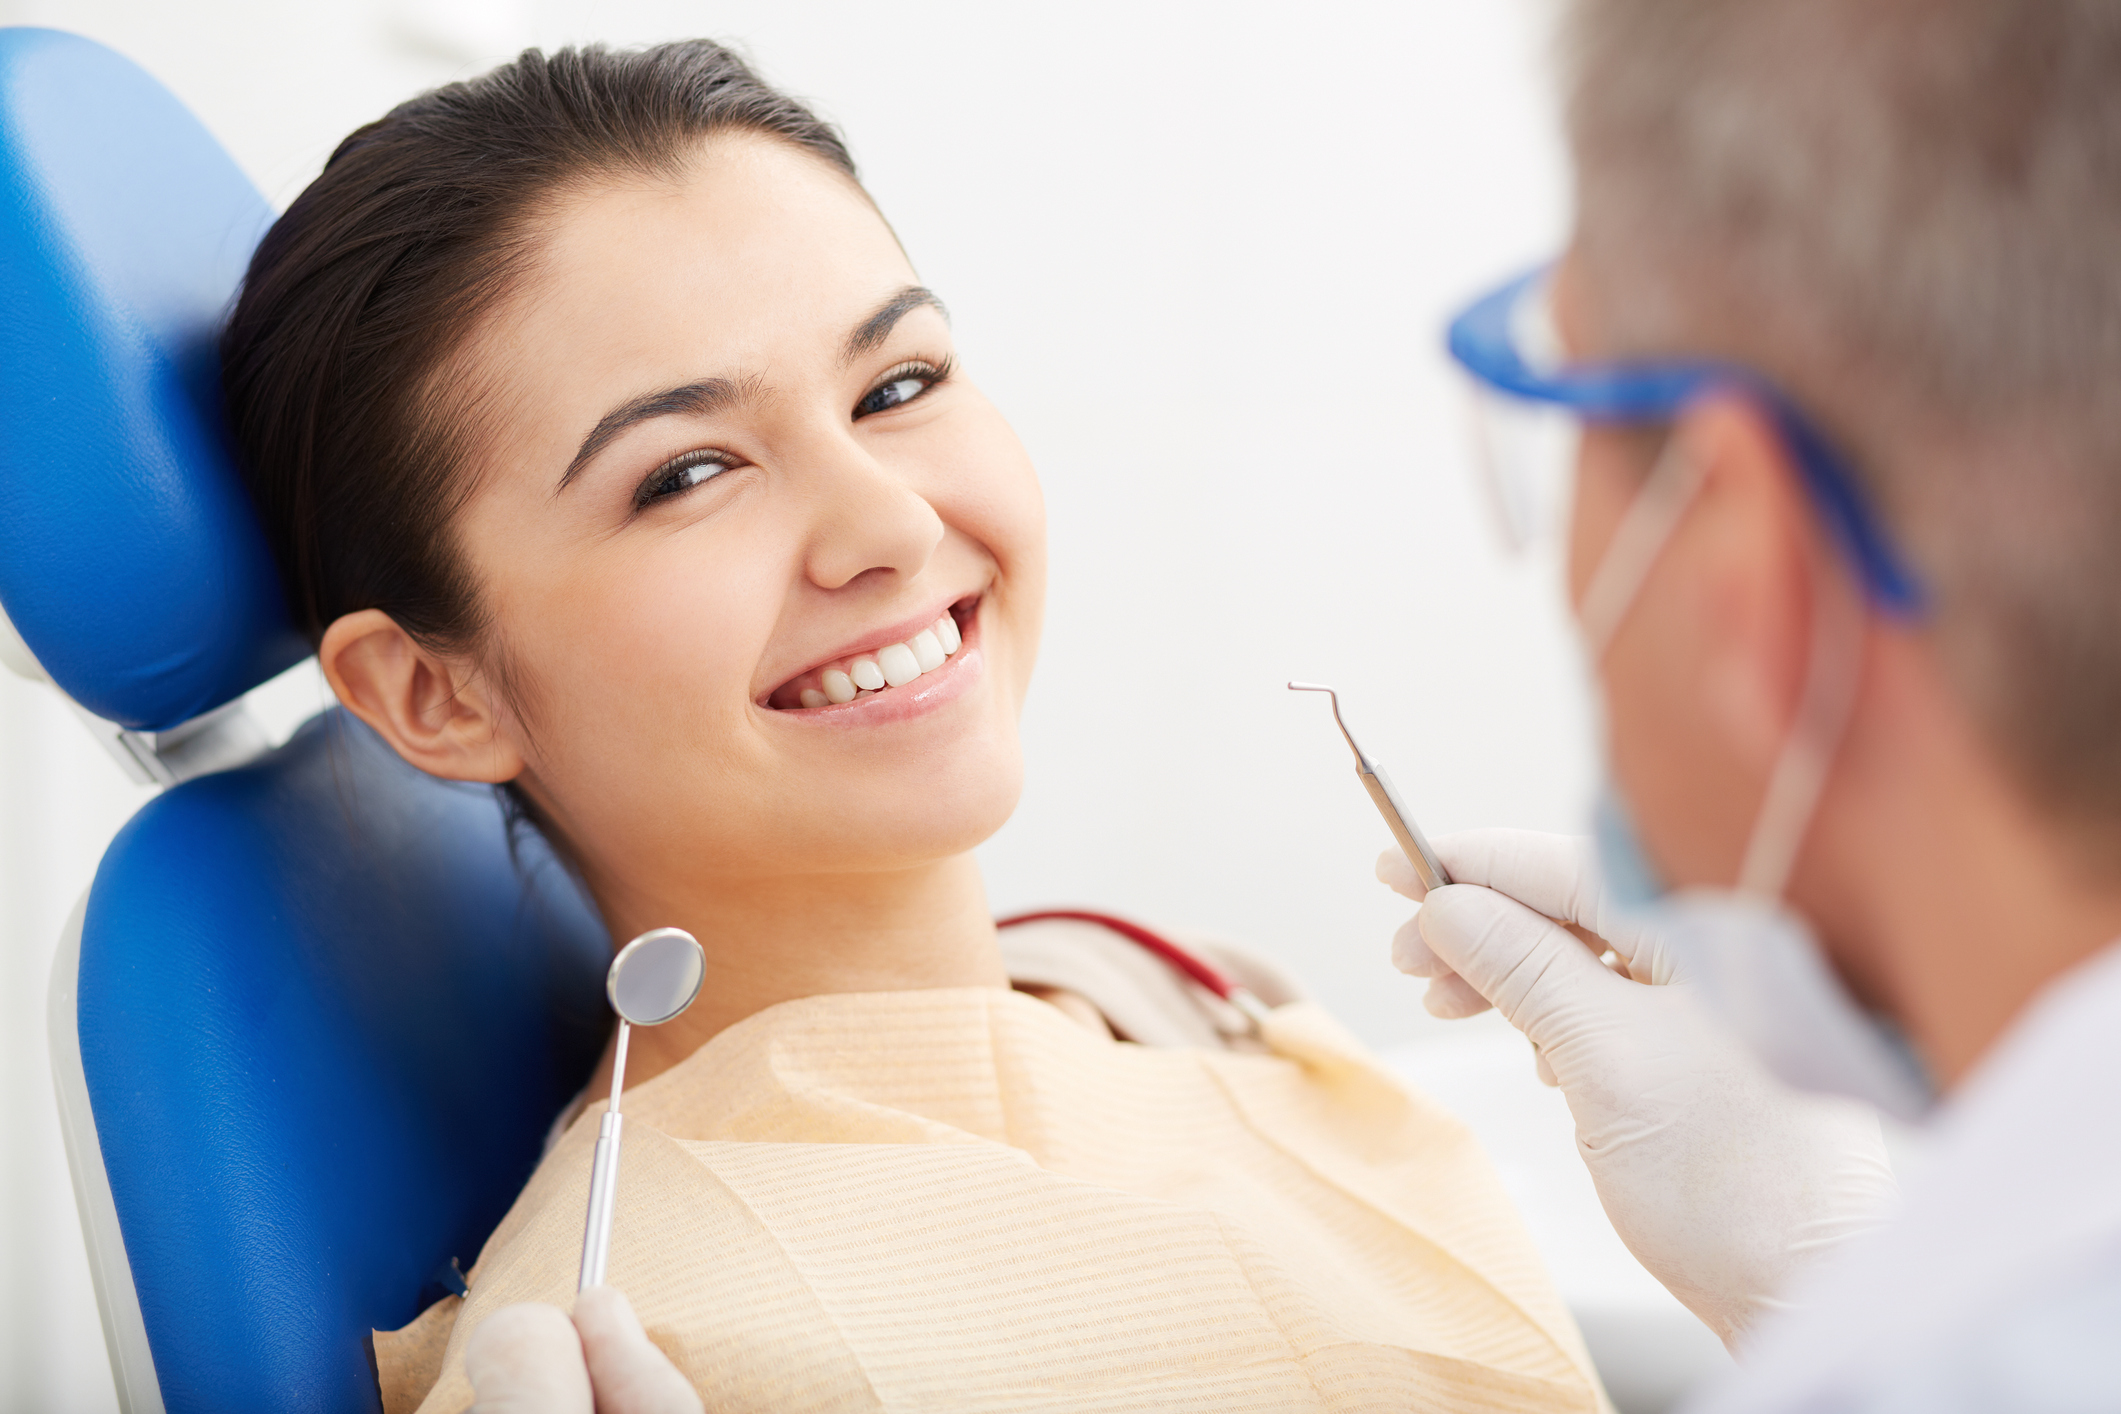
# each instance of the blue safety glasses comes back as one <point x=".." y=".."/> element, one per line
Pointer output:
<point x="1530" y="404"/>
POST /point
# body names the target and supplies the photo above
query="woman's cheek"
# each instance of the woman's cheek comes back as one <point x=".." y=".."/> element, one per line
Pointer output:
<point x="1008" y="516"/>
<point x="640" y="663"/>
<point x="1028" y="573"/>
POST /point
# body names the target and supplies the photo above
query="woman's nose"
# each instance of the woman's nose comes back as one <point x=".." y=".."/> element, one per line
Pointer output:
<point x="869" y="519"/>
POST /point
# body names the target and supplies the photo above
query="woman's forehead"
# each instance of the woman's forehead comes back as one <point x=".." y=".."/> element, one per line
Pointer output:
<point x="754" y="247"/>
<point x="752" y="264"/>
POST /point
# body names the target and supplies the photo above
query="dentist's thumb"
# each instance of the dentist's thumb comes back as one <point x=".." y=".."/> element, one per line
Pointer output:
<point x="631" y="1375"/>
<point x="527" y="1359"/>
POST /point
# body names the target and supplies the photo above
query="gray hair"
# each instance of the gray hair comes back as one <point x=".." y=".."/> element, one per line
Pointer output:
<point x="1908" y="214"/>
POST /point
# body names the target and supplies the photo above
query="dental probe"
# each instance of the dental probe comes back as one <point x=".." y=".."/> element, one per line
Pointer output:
<point x="1427" y="867"/>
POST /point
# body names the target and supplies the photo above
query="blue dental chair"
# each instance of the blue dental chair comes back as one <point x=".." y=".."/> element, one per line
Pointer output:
<point x="314" y="1014"/>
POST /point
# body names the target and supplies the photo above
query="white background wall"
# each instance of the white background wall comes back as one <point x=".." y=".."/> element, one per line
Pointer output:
<point x="1201" y="254"/>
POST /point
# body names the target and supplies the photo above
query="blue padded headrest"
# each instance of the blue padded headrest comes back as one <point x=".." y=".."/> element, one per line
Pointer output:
<point x="130" y="560"/>
<point x="325" y="1020"/>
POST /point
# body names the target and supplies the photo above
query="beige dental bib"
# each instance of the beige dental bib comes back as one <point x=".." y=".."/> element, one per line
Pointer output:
<point x="963" y="1200"/>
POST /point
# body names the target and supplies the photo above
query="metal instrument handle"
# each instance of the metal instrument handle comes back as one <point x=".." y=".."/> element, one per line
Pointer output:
<point x="1427" y="867"/>
<point x="603" y="1201"/>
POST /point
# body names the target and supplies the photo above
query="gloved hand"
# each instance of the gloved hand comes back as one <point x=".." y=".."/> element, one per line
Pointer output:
<point x="530" y="1359"/>
<point x="1721" y="1181"/>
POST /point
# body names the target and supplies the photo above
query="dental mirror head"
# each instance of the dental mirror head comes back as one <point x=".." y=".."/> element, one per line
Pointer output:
<point x="656" y="976"/>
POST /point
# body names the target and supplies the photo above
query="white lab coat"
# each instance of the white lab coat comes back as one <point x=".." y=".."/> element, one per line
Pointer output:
<point x="1998" y="1286"/>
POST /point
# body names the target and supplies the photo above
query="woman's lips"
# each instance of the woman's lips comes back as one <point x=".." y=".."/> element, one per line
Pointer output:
<point x="894" y="669"/>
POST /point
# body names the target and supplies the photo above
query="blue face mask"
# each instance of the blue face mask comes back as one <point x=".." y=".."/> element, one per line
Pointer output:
<point x="1760" y="970"/>
<point x="1631" y="881"/>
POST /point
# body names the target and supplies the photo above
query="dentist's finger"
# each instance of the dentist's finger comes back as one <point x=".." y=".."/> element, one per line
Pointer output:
<point x="1551" y="874"/>
<point x="632" y="1376"/>
<point x="1412" y="955"/>
<point x="1451" y="998"/>
<point x="1396" y="874"/>
<point x="1556" y="875"/>
<point x="526" y="1359"/>
<point x="1522" y="962"/>
<point x="1448" y="995"/>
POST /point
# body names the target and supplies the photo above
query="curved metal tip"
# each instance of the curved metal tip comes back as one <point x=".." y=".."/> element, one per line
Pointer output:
<point x="1361" y="761"/>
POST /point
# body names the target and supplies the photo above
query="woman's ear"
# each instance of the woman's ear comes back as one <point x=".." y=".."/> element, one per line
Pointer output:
<point x="437" y="712"/>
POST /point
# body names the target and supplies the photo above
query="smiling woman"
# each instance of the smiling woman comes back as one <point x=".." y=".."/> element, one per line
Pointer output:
<point x="615" y="455"/>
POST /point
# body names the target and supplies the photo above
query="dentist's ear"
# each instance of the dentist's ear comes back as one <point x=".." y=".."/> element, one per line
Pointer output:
<point x="439" y="713"/>
<point x="1753" y="553"/>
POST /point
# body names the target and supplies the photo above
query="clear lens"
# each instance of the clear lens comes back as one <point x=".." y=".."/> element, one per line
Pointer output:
<point x="1527" y="448"/>
<point x="1527" y="455"/>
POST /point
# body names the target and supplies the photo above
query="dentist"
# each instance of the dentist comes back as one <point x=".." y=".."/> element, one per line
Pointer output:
<point x="1835" y="359"/>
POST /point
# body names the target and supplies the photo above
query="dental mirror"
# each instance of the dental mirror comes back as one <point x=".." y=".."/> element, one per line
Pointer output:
<point x="652" y="980"/>
<point x="655" y="977"/>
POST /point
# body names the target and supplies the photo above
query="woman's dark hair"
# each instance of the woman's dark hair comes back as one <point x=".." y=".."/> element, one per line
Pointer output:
<point x="361" y="293"/>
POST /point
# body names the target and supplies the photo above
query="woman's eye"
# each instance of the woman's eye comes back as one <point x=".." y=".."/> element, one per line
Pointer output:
<point x="901" y="385"/>
<point x="682" y="474"/>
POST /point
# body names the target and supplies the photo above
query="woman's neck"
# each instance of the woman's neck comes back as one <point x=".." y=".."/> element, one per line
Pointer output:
<point x="777" y="940"/>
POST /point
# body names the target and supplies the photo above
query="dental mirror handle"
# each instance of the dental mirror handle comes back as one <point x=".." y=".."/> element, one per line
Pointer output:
<point x="604" y="1176"/>
<point x="603" y="1195"/>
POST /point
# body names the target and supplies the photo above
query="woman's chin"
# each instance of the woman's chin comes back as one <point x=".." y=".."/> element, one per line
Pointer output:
<point x="931" y="816"/>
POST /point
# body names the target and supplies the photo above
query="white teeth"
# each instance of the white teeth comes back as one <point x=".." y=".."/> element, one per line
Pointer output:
<point x="894" y="665"/>
<point x="899" y="665"/>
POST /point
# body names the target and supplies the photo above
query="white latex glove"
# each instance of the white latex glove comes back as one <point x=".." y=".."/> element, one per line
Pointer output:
<point x="530" y="1359"/>
<point x="1721" y="1181"/>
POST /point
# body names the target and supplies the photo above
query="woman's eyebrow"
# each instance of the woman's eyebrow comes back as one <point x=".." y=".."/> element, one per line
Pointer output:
<point x="877" y="327"/>
<point x="702" y="399"/>
<point x="712" y="395"/>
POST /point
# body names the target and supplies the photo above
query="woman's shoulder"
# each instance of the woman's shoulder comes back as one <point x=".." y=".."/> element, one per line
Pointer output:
<point x="1141" y="995"/>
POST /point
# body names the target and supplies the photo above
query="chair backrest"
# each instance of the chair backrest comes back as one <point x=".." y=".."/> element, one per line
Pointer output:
<point x="324" y="1020"/>
<point x="314" y="1016"/>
